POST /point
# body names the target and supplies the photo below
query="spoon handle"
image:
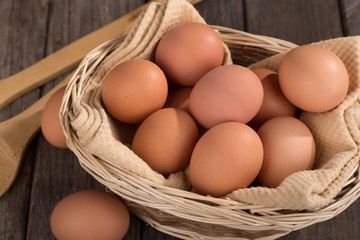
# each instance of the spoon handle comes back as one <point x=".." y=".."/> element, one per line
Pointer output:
<point x="62" y="60"/>
<point x="15" y="136"/>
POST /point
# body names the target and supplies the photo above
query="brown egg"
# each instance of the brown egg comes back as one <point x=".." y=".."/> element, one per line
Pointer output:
<point x="90" y="215"/>
<point x="262" y="72"/>
<point x="313" y="78"/>
<point x="288" y="147"/>
<point x="179" y="98"/>
<point x="274" y="103"/>
<point x="133" y="90"/>
<point x="227" y="157"/>
<point x="188" y="51"/>
<point x="50" y="120"/>
<point x="226" y="93"/>
<point x="166" y="139"/>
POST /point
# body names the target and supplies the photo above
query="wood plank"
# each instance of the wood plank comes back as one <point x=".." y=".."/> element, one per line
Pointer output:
<point x="228" y="13"/>
<point x="49" y="174"/>
<point x="304" y="22"/>
<point x="57" y="172"/>
<point x="148" y="232"/>
<point x="17" y="34"/>
<point x="350" y="13"/>
<point x="14" y="205"/>
<point x="298" y="21"/>
<point x="135" y="228"/>
<point x="343" y="226"/>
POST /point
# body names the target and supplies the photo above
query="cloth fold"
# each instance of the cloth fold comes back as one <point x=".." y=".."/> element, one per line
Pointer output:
<point x="101" y="135"/>
<point x="336" y="132"/>
<point x="336" y="135"/>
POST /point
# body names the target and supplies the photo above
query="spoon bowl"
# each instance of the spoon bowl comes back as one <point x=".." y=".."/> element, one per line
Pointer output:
<point x="9" y="170"/>
<point x="15" y="136"/>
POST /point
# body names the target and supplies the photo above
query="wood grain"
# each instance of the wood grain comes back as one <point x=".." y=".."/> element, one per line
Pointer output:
<point x="218" y="13"/>
<point x="49" y="174"/>
<point x="17" y="34"/>
<point x="350" y="10"/>
<point x="64" y="60"/>
<point x="303" y="22"/>
<point x="298" y="21"/>
<point x="58" y="172"/>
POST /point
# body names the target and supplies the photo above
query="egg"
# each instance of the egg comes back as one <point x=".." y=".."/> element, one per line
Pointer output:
<point x="90" y="215"/>
<point x="179" y="98"/>
<point x="50" y="120"/>
<point x="289" y="147"/>
<point x="165" y="140"/>
<point x="313" y="78"/>
<point x="227" y="157"/>
<point x="262" y="72"/>
<point x="226" y="93"/>
<point x="133" y="90"/>
<point x="188" y="51"/>
<point x="274" y="103"/>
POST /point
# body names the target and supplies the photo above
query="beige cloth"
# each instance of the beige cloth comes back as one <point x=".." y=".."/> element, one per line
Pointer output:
<point x="337" y="138"/>
<point x="101" y="135"/>
<point x="336" y="132"/>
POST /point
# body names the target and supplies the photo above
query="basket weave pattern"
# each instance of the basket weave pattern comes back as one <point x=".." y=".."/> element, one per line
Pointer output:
<point x="166" y="204"/>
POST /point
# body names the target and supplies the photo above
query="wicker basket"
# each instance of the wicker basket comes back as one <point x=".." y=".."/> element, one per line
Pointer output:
<point x="185" y="214"/>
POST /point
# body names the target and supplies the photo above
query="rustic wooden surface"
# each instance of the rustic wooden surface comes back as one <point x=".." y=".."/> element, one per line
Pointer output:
<point x="33" y="29"/>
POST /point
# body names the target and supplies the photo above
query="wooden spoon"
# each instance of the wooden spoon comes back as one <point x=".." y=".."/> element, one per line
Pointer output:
<point x="15" y="135"/>
<point x="64" y="59"/>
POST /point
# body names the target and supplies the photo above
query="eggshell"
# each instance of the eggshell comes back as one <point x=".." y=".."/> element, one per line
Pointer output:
<point x="50" y="120"/>
<point x="274" y="103"/>
<point x="90" y="215"/>
<point x="313" y="78"/>
<point x="226" y="93"/>
<point x="227" y="157"/>
<point x="288" y="147"/>
<point x="166" y="139"/>
<point x="133" y="90"/>
<point x="188" y="51"/>
<point x="179" y="98"/>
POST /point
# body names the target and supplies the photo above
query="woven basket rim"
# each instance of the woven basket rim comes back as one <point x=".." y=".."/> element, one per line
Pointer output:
<point x="239" y="216"/>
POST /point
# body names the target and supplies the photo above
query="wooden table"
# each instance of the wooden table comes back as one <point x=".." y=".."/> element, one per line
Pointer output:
<point x="33" y="29"/>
